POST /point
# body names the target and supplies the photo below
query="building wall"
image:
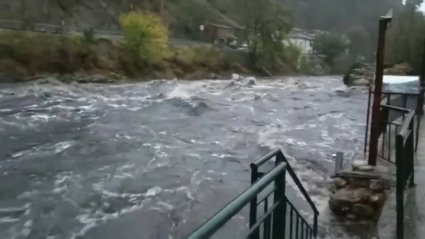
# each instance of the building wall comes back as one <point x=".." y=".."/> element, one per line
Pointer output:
<point x="304" y="44"/>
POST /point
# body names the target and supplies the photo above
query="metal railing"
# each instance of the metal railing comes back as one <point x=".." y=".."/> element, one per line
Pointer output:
<point x="301" y="225"/>
<point x="397" y="106"/>
<point x="405" y="154"/>
<point x="277" y="175"/>
<point x="277" y="222"/>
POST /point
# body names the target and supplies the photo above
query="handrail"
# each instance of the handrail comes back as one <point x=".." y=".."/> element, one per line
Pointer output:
<point x="224" y="215"/>
<point x="291" y="172"/>
<point x="255" y="175"/>
<point x="265" y="158"/>
<point x="299" y="184"/>
<point x="395" y="108"/>
<point x="405" y="129"/>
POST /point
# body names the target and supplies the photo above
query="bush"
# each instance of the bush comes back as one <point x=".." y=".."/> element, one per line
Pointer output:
<point x="146" y="36"/>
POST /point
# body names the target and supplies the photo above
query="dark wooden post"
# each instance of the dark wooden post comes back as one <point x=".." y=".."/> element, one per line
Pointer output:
<point x="375" y="124"/>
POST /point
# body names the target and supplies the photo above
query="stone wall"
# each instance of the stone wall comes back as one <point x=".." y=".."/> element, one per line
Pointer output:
<point x="358" y="194"/>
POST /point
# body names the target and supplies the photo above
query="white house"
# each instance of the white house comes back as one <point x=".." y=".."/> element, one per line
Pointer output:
<point x="303" y="39"/>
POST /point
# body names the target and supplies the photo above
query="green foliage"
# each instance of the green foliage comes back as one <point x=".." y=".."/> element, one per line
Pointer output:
<point x="191" y="14"/>
<point x="406" y="38"/>
<point x="331" y="45"/>
<point x="146" y="36"/>
<point x="293" y="56"/>
<point x="28" y="25"/>
<point x="89" y="36"/>
<point x="267" y="25"/>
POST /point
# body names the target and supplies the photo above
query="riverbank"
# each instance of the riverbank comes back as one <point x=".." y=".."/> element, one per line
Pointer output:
<point x="26" y="56"/>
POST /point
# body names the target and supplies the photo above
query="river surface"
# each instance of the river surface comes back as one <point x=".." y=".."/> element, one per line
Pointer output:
<point x="156" y="159"/>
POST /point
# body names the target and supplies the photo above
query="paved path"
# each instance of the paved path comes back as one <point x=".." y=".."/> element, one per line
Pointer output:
<point x="414" y="201"/>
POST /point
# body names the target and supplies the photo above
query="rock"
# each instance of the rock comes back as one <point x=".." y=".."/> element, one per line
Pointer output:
<point x="339" y="183"/>
<point x="358" y="163"/>
<point x="338" y="207"/>
<point x="359" y="74"/>
<point x="362" y="81"/>
<point x="363" y="211"/>
<point x="251" y="81"/>
<point x="363" y="183"/>
<point x="365" y="168"/>
<point x="377" y="200"/>
<point x="349" y="196"/>
<point x="378" y="186"/>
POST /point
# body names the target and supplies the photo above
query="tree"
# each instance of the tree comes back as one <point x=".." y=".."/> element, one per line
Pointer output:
<point x="267" y="25"/>
<point x="145" y="35"/>
<point x="406" y="38"/>
<point x="331" y="45"/>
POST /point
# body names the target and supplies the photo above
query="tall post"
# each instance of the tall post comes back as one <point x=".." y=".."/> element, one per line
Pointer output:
<point x="374" y="129"/>
<point x="279" y="215"/>
<point x="253" y="204"/>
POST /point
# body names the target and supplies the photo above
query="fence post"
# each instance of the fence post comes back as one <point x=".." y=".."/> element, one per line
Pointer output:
<point x="411" y="148"/>
<point x="400" y="186"/>
<point x="253" y="204"/>
<point x="279" y="215"/>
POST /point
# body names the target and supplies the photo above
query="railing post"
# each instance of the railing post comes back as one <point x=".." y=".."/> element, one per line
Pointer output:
<point x="375" y="124"/>
<point x="315" y="225"/>
<point x="367" y="121"/>
<point x="253" y="204"/>
<point x="411" y="148"/>
<point x="400" y="186"/>
<point x="279" y="215"/>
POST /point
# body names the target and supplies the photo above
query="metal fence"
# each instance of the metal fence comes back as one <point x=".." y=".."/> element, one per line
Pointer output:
<point x="394" y="109"/>
<point x="280" y="219"/>
<point x="405" y="154"/>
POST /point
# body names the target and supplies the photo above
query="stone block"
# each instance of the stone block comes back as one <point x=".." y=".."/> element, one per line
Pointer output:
<point x="363" y="211"/>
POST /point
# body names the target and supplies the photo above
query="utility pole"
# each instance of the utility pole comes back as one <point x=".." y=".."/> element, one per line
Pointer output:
<point x="377" y="91"/>
<point x="161" y="8"/>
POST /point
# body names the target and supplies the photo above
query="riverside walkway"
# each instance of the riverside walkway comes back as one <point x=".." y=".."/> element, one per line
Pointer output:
<point x="414" y="217"/>
<point x="415" y="197"/>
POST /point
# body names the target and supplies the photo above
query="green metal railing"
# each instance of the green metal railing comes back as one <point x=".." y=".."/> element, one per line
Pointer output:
<point x="405" y="154"/>
<point x="276" y="212"/>
<point x="277" y="222"/>
<point x="299" y="226"/>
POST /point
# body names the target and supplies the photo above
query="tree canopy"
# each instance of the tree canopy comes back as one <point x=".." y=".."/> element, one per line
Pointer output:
<point x="331" y="45"/>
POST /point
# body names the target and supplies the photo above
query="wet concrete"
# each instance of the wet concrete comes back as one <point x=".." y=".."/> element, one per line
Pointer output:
<point x="414" y="208"/>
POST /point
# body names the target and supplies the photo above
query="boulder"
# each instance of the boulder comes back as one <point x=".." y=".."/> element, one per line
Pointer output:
<point x="378" y="200"/>
<point x="362" y="211"/>
<point x="339" y="183"/>
<point x="359" y="74"/>
<point x="338" y="207"/>
<point x="378" y="186"/>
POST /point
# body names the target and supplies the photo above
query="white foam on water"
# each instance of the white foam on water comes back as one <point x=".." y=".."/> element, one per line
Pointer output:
<point x="184" y="91"/>
<point x="153" y="191"/>
<point x="4" y="220"/>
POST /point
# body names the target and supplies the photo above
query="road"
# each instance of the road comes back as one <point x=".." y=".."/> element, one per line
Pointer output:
<point x="102" y="34"/>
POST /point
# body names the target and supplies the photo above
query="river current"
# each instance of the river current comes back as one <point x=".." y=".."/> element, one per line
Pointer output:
<point x="156" y="159"/>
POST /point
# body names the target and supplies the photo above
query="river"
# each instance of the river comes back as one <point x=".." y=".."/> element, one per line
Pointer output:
<point x="156" y="159"/>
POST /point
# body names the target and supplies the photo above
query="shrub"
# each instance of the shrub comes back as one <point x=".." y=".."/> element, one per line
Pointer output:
<point x="145" y="35"/>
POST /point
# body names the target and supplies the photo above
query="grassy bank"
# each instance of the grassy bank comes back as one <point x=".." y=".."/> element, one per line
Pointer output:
<point x="25" y="54"/>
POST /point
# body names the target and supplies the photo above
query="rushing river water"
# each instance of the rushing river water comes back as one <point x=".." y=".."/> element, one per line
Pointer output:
<point x="154" y="160"/>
